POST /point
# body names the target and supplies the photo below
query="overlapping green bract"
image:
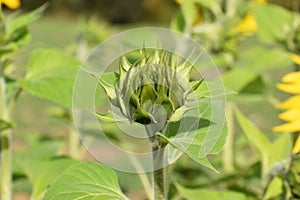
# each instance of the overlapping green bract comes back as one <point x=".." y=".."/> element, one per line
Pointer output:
<point x="153" y="89"/>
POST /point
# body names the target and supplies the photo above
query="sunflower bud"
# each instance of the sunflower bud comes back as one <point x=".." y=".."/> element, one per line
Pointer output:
<point x="153" y="90"/>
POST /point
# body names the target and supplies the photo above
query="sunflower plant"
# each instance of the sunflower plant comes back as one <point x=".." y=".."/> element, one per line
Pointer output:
<point x="157" y="91"/>
<point x="162" y="92"/>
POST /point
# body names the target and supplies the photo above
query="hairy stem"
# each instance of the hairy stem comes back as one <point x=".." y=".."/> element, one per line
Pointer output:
<point x="159" y="179"/>
<point x="6" y="167"/>
<point x="158" y="174"/>
<point x="5" y="147"/>
<point x="168" y="173"/>
<point x="159" y="184"/>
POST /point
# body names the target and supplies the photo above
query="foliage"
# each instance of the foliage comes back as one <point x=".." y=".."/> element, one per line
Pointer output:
<point x="50" y="75"/>
<point x="253" y="43"/>
<point x="86" y="181"/>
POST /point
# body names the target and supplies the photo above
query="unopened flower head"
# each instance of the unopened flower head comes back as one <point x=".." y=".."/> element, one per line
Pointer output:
<point x="152" y="90"/>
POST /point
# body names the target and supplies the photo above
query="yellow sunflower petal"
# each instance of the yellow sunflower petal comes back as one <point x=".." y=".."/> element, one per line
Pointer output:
<point x="291" y="115"/>
<point x="291" y="103"/>
<point x="296" y="58"/>
<point x="292" y="77"/>
<point x="289" y="88"/>
<point x="288" y="127"/>
<point x="296" y="147"/>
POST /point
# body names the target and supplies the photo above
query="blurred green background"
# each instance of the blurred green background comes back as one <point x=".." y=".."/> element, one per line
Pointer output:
<point x="70" y="24"/>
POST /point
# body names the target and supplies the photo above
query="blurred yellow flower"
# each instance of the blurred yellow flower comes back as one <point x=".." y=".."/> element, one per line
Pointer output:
<point x="291" y="84"/>
<point x="295" y="58"/>
<point x="179" y="1"/>
<point x="293" y="102"/>
<point x="261" y="1"/>
<point x="248" y="25"/>
<point x="12" y="4"/>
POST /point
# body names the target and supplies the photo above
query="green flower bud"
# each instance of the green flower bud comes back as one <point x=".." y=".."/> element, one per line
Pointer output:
<point x="152" y="90"/>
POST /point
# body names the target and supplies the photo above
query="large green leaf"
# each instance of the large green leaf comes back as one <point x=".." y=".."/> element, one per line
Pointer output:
<point x="270" y="153"/>
<point x="272" y="59"/>
<point x="189" y="146"/>
<point x="272" y="21"/>
<point x="280" y="149"/>
<point x="42" y="172"/>
<point x="195" y="194"/>
<point x="256" y="139"/>
<point x="43" y="150"/>
<point x="197" y="138"/>
<point x="86" y="181"/>
<point x="247" y="98"/>
<point x="41" y="164"/>
<point x="237" y="79"/>
<point x="51" y="75"/>
<point x="192" y="146"/>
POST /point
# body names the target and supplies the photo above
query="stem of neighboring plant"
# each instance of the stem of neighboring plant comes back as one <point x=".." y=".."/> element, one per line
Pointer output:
<point x="74" y="143"/>
<point x="228" y="157"/>
<point x="143" y="177"/>
<point x="5" y="150"/>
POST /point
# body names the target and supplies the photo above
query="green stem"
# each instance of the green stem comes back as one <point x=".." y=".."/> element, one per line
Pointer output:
<point x="158" y="173"/>
<point x="6" y="149"/>
<point x="159" y="185"/>
<point x="161" y="174"/>
<point x="168" y="173"/>
<point x="6" y="166"/>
